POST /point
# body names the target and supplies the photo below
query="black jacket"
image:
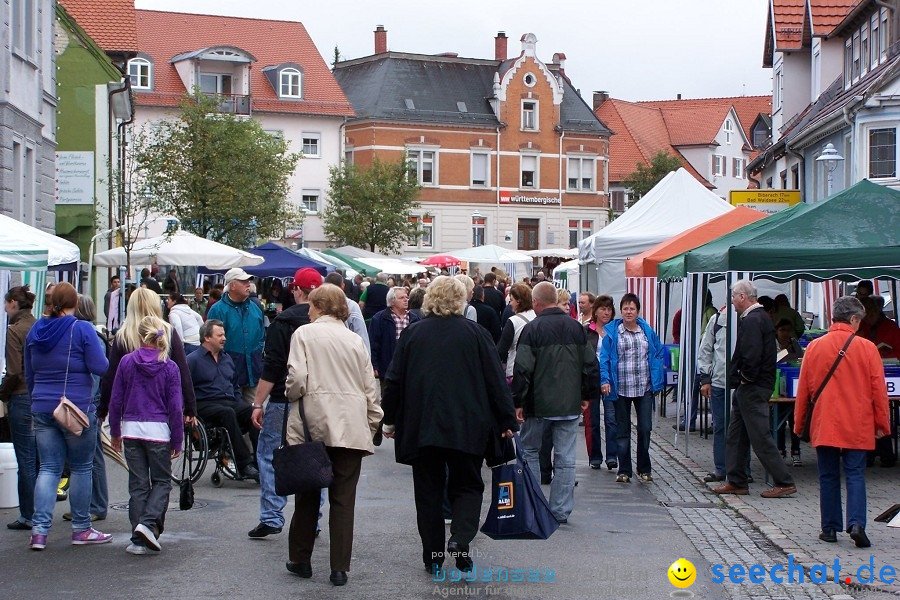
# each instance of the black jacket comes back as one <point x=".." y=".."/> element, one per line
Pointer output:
<point x="487" y="318"/>
<point x="445" y="389"/>
<point x="494" y="298"/>
<point x="278" y="346"/>
<point x="755" y="350"/>
<point x="556" y="367"/>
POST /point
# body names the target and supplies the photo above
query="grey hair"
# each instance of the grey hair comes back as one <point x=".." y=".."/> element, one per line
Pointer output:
<point x="381" y="277"/>
<point x="466" y="281"/>
<point x="206" y="330"/>
<point x="85" y="310"/>
<point x="845" y="307"/>
<point x="744" y="286"/>
<point x="392" y="294"/>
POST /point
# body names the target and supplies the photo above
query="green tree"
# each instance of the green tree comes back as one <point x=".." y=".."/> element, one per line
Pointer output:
<point x="645" y="177"/>
<point x="220" y="175"/>
<point x="370" y="206"/>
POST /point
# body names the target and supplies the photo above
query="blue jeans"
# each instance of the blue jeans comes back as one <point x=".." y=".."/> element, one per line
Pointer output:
<point x="609" y="420"/>
<point x="829" y="462"/>
<point x="643" y="407"/>
<point x="271" y="505"/>
<point x="55" y="445"/>
<point x="717" y="406"/>
<point x="565" y="434"/>
<point x="595" y="452"/>
<point x="26" y="453"/>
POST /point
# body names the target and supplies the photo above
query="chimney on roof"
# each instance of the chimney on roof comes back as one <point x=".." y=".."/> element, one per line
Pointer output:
<point x="500" y="46"/>
<point x="600" y="98"/>
<point x="380" y="39"/>
<point x="678" y="97"/>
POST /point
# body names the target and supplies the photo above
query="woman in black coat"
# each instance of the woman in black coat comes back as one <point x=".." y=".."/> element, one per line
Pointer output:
<point x="445" y="398"/>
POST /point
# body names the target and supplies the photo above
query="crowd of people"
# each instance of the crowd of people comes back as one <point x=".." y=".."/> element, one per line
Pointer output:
<point x="350" y="362"/>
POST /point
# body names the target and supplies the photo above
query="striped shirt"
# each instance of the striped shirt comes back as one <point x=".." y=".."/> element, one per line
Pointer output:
<point x="634" y="362"/>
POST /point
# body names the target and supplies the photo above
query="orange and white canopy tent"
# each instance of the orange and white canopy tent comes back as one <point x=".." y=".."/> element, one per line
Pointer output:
<point x="646" y="263"/>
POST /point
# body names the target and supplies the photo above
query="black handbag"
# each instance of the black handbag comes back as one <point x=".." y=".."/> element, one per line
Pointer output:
<point x="302" y="467"/>
<point x="186" y="487"/>
<point x="807" y="420"/>
<point x="499" y="450"/>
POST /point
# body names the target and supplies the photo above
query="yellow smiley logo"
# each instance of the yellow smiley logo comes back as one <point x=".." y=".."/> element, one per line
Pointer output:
<point x="682" y="573"/>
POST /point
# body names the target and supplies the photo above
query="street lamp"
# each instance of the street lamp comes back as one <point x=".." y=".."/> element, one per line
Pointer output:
<point x="829" y="158"/>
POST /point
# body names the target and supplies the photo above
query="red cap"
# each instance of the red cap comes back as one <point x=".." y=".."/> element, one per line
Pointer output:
<point x="307" y="278"/>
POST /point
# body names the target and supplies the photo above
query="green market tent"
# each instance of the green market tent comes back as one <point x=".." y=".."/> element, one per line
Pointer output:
<point x="355" y="264"/>
<point x="854" y="234"/>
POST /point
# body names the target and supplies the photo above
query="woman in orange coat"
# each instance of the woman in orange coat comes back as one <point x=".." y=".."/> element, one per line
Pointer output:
<point x="851" y="412"/>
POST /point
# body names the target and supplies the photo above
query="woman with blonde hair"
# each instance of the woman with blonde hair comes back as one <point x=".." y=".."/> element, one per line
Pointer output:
<point x="331" y="380"/>
<point x="142" y="303"/>
<point x="442" y="430"/>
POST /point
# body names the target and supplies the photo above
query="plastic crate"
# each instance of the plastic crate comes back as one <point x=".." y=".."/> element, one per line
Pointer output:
<point x="790" y="376"/>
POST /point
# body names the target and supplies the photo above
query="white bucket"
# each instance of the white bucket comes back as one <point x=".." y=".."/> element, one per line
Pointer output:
<point x="9" y="477"/>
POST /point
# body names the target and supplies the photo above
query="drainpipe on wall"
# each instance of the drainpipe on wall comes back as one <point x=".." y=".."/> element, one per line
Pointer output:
<point x="796" y="154"/>
<point x="497" y="218"/>
<point x="560" y="187"/>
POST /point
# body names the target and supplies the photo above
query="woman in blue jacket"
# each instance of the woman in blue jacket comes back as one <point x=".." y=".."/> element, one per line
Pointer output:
<point x="61" y="355"/>
<point x="631" y="371"/>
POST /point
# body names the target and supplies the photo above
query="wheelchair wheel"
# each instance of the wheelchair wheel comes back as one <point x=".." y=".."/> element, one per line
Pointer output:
<point x="195" y="450"/>
<point x="216" y="479"/>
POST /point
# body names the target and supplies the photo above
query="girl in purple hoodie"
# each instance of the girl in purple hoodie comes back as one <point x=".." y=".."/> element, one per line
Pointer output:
<point x="145" y="408"/>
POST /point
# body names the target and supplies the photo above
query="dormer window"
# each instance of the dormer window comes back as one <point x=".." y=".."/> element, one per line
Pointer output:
<point x="289" y="83"/>
<point x="140" y="70"/>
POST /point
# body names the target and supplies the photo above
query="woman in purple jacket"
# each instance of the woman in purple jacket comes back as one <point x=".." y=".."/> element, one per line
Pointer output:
<point x="61" y="355"/>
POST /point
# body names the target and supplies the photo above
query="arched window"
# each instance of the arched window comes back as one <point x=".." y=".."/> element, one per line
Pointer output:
<point x="140" y="70"/>
<point x="290" y="83"/>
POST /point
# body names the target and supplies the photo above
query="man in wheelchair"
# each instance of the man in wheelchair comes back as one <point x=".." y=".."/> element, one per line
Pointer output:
<point x="219" y="402"/>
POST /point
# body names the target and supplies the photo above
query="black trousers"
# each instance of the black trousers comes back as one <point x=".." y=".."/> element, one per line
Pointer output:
<point x="234" y="417"/>
<point x="345" y="464"/>
<point x="462" y="474"/>
<point x="749" y="427"/>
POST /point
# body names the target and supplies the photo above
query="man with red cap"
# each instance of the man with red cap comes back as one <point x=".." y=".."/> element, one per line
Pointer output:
<point x="270" y="420"/>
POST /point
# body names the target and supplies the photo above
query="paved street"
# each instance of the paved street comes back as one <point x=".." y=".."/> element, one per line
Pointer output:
<point x="618" y="544"/>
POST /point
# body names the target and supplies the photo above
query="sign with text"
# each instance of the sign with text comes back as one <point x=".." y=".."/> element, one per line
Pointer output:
<point x="767" y="201"/>
<point x="75" y="177"/>
<point x="513" y="198"/>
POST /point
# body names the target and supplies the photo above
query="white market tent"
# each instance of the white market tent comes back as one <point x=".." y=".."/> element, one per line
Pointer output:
<point x="181" y="249"/>
<point x="60" y="252"/>
<point x="677" y="203"/>
<point x="566" y="275"/>
<point x="566" y="253"/>
<point x="518" y="264"/>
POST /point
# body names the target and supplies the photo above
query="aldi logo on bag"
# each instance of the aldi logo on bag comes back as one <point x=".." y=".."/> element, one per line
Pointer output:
<point x="505" y="496"/>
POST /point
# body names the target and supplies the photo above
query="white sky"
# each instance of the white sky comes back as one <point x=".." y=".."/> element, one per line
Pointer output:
<point x="634" y="49"/>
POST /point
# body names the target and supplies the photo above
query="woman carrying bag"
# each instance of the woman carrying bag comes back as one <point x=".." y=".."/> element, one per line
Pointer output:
<point x="61" y="355"/>
<point x="330" y="373"/>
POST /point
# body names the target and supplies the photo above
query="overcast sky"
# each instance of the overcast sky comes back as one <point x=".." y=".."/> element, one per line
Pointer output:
<point x="634" y="49"/>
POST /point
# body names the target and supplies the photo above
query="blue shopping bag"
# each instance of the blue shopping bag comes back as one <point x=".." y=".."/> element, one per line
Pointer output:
<point x="519" y="510"/>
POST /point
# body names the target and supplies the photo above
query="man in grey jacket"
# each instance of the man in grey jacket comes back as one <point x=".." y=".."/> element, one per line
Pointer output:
<point x="711" y="367"/>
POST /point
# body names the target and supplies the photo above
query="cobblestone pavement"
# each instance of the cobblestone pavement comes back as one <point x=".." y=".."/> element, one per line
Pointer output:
<point x="779" y="527"/>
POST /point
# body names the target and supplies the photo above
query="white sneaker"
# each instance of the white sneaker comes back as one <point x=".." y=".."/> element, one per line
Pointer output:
<point x="135" y="549"/>
<point x="147" y="535"/>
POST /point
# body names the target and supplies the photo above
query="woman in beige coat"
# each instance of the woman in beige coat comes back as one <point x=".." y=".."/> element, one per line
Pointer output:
<point x="330" y="371"/>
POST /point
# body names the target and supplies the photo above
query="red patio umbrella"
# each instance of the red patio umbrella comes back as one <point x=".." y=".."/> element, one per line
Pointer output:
<point x="440" y="260"/>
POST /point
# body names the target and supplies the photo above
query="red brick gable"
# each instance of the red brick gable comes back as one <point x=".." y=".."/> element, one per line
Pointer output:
<point x="163" y="35"/>
<point x="110" y="23"/>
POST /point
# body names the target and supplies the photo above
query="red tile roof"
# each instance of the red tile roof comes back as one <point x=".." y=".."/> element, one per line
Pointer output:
<point x="644" y="128"/>
<point x="163" y="35"/>
<point x="828" y="14"/>
<point x="790" y="17"/>
<point x="110" y="23"/>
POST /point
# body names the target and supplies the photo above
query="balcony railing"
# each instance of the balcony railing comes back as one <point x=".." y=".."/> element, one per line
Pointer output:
<point x="234" y="104"/>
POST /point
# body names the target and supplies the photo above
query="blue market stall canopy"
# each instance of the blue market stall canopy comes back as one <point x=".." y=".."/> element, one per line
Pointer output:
<point x="281" y="262"/>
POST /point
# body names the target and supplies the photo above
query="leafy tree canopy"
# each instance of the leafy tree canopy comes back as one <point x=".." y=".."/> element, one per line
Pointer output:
<point x="645" y="177"/>
<point x="370" y="206"/>
<point x="220" y="175"/>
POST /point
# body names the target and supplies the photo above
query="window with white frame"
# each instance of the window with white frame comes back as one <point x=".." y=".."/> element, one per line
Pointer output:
<point x="420" y="165"/>
<point x="528" y="165"/>
<point x="275" y="133"/>
<point x="579" y="229"/>
<point x="478" y="225"/>
<point x="874" y="41"/>
<point x="289" y="83"/>
<point x="140" y="70"/>
<point x="718" y="165"/>
<point x="529" y="115"/>
<point x="24" y="27"/>
<point x="348" y="156"/>
<point x="424" y="227"/>
<point x="885" y="30"/>
<point x="480" y="169"/>
<point x="882" y="152"/>
<point x="311" y="145"/>
<point x="737" y="168"/>
<point x="729" y="131"/>
<point x="580" y="173"/>
<point x="309" y="200"/>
